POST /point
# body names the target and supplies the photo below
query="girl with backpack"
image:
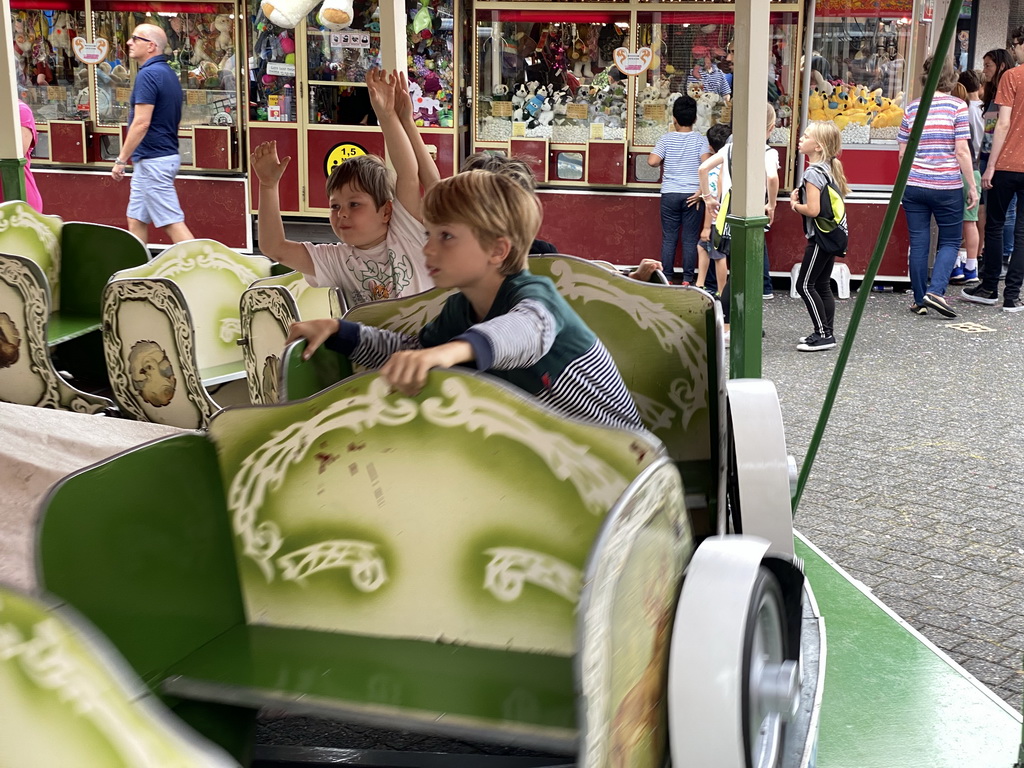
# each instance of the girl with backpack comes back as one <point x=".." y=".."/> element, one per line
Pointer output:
<point x="819" y="199"/>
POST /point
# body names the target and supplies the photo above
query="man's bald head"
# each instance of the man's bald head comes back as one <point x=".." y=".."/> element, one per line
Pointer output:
<point x="152" y="42"/>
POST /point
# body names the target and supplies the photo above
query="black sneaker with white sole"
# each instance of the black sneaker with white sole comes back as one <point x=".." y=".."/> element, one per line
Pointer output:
<point x="818" y="344"/>
<point x="809" y="337"/>
<point x="979" y="295"/>
<point x="1013" y="305"/>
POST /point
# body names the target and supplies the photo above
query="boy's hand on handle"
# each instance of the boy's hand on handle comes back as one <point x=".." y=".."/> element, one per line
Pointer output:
<point x="315" y="332"/>
<point x="403" y="100"/>
<point x="406" y="371"/>
<point x="265" y="163"/>
<point x="382" y="92"/>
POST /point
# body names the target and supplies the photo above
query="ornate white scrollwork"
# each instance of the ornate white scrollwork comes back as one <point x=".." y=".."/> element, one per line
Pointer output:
<point x="164" y="298"/>
<point x="512" y="567"/>
<point x="369" y="572"/>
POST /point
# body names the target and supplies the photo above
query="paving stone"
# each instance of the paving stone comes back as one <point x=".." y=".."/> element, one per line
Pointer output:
<point x="920" y="502"/>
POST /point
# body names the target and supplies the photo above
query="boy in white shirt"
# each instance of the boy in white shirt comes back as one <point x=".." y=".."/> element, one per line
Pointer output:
<point x="374" y="213"/>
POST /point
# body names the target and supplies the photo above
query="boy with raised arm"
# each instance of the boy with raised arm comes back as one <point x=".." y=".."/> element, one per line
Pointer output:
<point x="503" y="320"/>
<point x="374" y="213"/>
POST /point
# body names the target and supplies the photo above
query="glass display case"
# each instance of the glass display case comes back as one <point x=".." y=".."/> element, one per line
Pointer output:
<point x="200" y="48"/>
<point x="693" y="53"/>
<point x="50" y="79"/>
<point x="552" y="76"/>
<point x="858" y="67"/>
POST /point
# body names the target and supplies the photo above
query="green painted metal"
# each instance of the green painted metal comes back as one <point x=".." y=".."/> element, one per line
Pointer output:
<point x="64" y="327"/>
<point x="746" y="287"/>
<point x="892" y="700"/>
<point x="142" y="546"/>
<point x="392" y="678"/>
<point x="90" y="254"/>
<point x="304" y="378"/>
<point x="68" y="699"/>
<point x="945" y="38"/>
<point x="12" y="177"/>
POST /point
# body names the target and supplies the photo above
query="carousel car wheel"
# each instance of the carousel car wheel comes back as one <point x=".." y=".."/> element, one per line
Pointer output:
<point x="733" y="683"/>
<point x="759" y="486"/>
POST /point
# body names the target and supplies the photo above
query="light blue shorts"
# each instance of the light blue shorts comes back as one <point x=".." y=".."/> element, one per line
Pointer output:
<point x="153" y="197"/>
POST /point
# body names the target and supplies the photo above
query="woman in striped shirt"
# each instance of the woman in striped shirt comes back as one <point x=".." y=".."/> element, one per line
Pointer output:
<point x="942" y="165"/>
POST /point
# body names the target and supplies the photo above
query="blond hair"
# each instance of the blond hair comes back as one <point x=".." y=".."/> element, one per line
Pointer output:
<point x="367" y="173"/>
<point x="830" y="141"/>
<point x="503" y="165"/>
<point x="491" y="205"/>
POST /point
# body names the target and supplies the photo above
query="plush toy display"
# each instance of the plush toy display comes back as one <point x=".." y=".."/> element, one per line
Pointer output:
<point x="334" y="14"/>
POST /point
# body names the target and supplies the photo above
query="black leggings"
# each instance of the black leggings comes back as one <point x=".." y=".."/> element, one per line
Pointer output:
<point x="814" y="286"/>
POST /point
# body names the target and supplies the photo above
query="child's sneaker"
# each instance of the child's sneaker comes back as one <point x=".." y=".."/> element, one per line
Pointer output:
<point x="809" y="337"/>
<point x="957" y="276"/>
<point x="970" y="276"/>
<point x="818" y="344"/>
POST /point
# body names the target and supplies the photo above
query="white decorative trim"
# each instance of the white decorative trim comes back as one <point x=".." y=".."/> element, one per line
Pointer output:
<point x="369" y="572"/>
<point x="57" y="393"/>
<point x="511" y="567"/>
<point x="266" y="467"/>
<point x="164" y="298"/>
<point x="278" y="301"/>
<point x="689" y="392"/>
<point x="182" y="258"/>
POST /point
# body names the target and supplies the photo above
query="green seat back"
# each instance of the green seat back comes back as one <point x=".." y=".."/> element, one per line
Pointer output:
<point x="211" y="277"/>
<point x="659" y="337"/>
<point x="25" y="232"/>
<point x="67" y="698"/>
<point x="90" y="254"/>
<point x="333" y="499"/>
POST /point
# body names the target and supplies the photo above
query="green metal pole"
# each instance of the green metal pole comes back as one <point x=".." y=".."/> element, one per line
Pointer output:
<point x="745" y="295"/>
<point x="945" y="38"/>
<point x="12" y="177"/>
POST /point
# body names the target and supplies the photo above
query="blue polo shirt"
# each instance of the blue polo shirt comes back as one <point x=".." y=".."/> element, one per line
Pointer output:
<point x="157" y="84"/>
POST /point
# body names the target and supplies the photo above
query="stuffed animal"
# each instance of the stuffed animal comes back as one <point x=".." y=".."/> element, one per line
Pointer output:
<point x="62" y="32"/>
<point x="547" y="112"/>
<point x="500" y="92"/>
<point x="334" y="14"/>
<point x="705" y="106"/>
<point x="222" y="23"/>
<point x="519" y="96"/>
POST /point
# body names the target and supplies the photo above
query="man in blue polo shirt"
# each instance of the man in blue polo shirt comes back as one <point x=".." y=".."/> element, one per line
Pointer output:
<point x="152" y="140"/>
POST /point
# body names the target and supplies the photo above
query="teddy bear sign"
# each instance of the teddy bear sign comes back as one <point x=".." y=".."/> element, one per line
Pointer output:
<point x="334" y="14"/>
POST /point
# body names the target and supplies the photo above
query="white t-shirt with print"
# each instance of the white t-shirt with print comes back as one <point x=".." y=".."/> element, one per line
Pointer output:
<point x="394" y="268"/>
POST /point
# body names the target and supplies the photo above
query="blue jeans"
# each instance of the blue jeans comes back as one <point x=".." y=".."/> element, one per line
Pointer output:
<point x="679" y="220"/>
<point x="1007" y="187"/>
<point x="920" y="204"/>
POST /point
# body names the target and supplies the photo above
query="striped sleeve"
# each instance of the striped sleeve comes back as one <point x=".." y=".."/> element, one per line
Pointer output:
<point x="517" y="339"/>
<point x="377" y="345"/>
<point x="591" y="388"/>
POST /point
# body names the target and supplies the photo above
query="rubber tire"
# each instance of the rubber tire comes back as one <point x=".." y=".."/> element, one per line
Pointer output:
<point x="766" y="603"/>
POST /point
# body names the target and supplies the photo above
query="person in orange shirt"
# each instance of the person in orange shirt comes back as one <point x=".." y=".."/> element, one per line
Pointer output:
<point x="1004" y="178"/>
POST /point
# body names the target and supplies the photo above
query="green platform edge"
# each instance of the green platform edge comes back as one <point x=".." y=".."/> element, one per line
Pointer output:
<point x="891" y="698"/>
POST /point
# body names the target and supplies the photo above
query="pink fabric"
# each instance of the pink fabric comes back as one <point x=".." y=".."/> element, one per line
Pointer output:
<point x="28" y="120"/>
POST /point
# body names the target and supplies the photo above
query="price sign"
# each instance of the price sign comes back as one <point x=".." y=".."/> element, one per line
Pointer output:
<point x="122" y="95"/>
<point x="193" y="98"/>
<point x="597" y="130"/>
<point x="56" y="93"/>
<point x="519" y="130"/>
<point x="339" y="153"/>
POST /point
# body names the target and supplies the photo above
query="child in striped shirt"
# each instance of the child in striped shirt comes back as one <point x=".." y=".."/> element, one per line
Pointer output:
<point x="682" y="212"/>
<point x="514" y="325"/>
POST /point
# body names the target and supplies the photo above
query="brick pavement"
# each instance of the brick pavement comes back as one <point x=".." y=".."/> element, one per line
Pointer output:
<point x="916" y="490"/>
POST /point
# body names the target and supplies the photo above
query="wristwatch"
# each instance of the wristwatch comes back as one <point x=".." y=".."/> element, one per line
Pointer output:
<point x="119" y="161"/>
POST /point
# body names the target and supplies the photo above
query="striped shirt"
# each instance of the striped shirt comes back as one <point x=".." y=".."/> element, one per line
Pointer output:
<point x="713" y="80"/>
<point x="935" y="164"/>
<point x="680" y="152"/>
<point x="530" y="337"/>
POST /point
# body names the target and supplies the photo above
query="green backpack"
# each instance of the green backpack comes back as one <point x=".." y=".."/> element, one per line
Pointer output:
<point x="830" y="231"/>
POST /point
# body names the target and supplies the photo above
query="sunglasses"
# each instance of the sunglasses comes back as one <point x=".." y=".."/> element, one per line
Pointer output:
<point x="137" y="38"/>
